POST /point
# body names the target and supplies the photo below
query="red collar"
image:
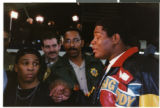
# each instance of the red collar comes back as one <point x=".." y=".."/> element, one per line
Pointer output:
<point x="124" y="56"/>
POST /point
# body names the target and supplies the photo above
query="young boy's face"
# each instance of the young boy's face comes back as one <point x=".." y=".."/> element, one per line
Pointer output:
<point x="27" y="68"/>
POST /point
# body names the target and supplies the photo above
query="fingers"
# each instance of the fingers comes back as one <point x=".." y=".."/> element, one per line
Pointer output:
<point x="60" y="92"/>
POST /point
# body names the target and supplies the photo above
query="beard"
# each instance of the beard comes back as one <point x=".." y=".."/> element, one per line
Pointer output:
<point x="73" y="52"/>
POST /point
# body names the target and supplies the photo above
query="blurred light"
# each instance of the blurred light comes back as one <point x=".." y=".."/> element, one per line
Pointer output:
<point x="156" y="53"/>
<point x="30" y="20"/>
<point x="33" y="42"/>
<point x="51" y="23"/>
<point x="140" y="52"/>
<point x="40" y="19"/>
<point x="78" y="3"/>
<point x="38" y="41"/>
<point x="75" y="18"/>
<point x="23" y="41"/>
<point x="14" y="14"/>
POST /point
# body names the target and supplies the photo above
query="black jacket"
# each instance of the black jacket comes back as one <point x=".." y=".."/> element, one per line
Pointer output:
<point x="64" y="70"/>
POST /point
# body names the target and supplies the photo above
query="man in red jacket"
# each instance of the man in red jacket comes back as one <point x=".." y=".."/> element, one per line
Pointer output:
<point x="129" y="79"/>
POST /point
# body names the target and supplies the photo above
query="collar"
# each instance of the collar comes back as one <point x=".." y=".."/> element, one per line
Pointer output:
<point x="115" y="59"/>
<point x="47" y="61"/>
<point x="119" y="62"/>
<point x="75" y="66"/>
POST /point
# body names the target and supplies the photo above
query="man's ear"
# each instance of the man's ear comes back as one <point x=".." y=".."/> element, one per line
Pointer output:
<point x="82" y="43"/>
<point x="116" y="38"/>
<point x="16" y="68"/>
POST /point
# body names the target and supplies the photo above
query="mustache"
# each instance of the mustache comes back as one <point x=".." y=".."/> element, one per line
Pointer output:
<point x="72" y="49"/>
<point x="53" y="52"/>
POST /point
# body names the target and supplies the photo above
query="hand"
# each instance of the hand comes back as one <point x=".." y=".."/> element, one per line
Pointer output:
<point x="60" y="92"/>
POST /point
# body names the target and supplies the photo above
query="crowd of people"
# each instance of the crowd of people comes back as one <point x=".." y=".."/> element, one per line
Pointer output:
<point x="78" y="79"/>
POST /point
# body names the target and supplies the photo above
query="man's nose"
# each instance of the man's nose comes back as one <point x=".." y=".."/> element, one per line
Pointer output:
<point x="30" y="67"/>
<point x="51" y="48"/>
<point x="93" y="42"/>
<point x="72" y="43"/>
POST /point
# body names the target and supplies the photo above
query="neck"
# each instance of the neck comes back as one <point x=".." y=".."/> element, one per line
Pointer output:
<point x="118" y="51"/>
<point x="27" y="85"/>
<point x="52" y="60"/>
<point x="77" y="60"/>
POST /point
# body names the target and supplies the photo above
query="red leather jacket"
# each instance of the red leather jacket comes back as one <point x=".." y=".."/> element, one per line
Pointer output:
<point x="131" y="81"/>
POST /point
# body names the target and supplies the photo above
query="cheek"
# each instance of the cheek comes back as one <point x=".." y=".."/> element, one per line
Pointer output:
<point x="45" y="51"/>
<point x="37" y="69"/>
<point x="21" y="73"/>
<point x="57" y="49"/>
<point x="104" y="47"/>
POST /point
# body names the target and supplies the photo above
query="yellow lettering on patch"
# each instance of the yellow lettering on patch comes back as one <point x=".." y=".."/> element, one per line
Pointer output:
<point x="111" y="85"/>
<point x="123" y="99"/>
<point x="118" y="95"/>
<point x="130" y="100"/>
<point x="105" y="83"/>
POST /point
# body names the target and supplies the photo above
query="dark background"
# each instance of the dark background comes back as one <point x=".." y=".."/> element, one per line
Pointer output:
<point x="142" y="18"/>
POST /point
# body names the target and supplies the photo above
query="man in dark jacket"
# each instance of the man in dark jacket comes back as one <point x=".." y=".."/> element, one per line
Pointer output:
<point x="130" y="79"/>
<point x="79" y="70"/>
<point x="51" y="45"/>
<point x="28" y="90"/>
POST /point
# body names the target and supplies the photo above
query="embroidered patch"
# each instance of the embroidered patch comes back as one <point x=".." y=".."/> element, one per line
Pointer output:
<point x="94" y="72"/>
<point x="123" y="76"/>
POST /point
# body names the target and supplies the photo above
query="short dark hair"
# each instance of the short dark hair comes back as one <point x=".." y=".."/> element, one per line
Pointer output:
<point x="119" y="26"/>
<point x="27" y="50"/>
<point x="73" y="29"/>
<point x="49" y="35"/>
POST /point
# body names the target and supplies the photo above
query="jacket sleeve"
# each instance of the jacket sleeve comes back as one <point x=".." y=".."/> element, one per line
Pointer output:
<point x="150" y="90"/>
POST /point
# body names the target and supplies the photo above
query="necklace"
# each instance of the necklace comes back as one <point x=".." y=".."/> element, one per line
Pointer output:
<point x="29" y="97"/>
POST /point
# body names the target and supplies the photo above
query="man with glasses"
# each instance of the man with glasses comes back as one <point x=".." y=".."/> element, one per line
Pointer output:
<point x="79" y="70"/>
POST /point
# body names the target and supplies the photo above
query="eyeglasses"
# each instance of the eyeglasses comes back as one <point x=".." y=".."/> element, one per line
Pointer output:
<point x="74" y="41"/>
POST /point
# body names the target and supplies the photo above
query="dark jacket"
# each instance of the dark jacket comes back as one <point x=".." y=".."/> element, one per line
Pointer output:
<point x="77" y="98"/>
<point x="41" y="96"/>
<point x="45" y="73"/>
<point x="130" y="78"/>
<point x="63" y="70"/>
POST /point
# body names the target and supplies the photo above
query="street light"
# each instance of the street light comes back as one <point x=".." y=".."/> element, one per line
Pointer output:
<point x="40" y="19"/>
<point x="13" y="15"/>
<point x="75" y="18"/>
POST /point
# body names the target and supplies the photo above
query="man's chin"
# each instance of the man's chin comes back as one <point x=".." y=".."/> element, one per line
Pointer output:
<point x="52" y="58"/>
<point x="73" y="55"/>
<point x="97" y="56"/>
<point x="29" y="80"/>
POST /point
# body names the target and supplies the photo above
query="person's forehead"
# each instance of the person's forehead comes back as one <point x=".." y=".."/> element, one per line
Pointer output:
<point x="72" y="34"/>
<point x="98" y="28"/>
<point x="28" y="57"/>
<point x="50" y="41"/>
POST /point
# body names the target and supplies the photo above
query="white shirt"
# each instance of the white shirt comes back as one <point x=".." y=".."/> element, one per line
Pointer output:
<point x="81" y="76"/>
<point x="112" y="62"/>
